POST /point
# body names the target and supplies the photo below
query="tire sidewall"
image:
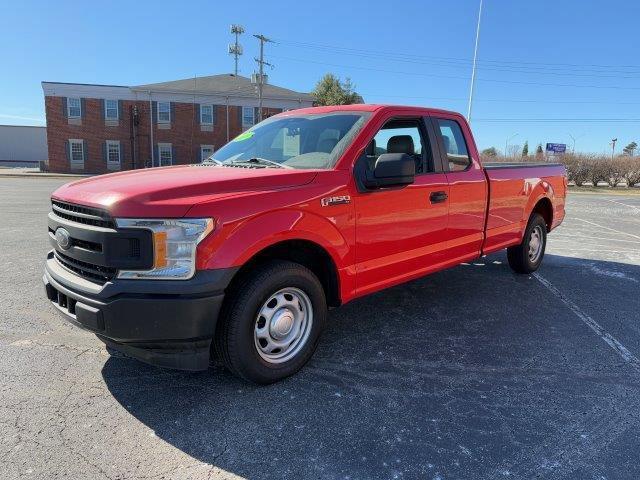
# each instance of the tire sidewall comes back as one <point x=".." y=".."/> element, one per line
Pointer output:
<point x="536" y="220"/>
<point x="251" y="365"/>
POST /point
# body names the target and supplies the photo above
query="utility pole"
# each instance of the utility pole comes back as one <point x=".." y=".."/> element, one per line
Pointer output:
<point x="235" y="49"/>
<point x="613" y="147"/>
<point x="473" y="71"/>
<point x="261" y="64"/>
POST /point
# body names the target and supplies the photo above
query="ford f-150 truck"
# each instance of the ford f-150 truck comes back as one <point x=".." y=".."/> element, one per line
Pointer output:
<point x="239" y="258"/>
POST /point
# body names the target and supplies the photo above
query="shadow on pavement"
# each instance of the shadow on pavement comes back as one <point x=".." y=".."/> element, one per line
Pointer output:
<point x="473" y="372"/>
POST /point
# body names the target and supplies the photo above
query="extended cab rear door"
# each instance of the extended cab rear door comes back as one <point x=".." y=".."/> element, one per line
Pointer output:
<point x="401" y="231"/>
<point x="468" y="190"/>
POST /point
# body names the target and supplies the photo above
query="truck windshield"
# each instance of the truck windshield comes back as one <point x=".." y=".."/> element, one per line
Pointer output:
<point x="298" y="141"/>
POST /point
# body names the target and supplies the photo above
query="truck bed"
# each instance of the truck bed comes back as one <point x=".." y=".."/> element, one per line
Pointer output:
<point x="514" y="188"/>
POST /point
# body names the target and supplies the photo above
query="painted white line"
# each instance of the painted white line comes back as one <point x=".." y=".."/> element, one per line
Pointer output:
<point x="620" y="349"/>
<point x="588" y="237"/>
<point x="620" y="203"/>
<point x="607" y="228"/>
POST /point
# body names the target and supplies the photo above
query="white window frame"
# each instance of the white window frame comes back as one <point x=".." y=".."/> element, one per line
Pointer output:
<point x="107" y="108"/>
<point x="203" y="148"/>
<point x="72" y="162"/>
<point x="69" y="107"/>
<point x="166" y="147"/>
<point x="208" y="105"/>
<point x="112" y="163"/>
<point x="253" y="117"/>
<point x="168" y="112"/>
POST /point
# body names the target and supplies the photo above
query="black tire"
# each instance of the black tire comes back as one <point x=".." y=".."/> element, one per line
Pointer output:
<point x="234" y="342"/>
<point x="519" y="258"/>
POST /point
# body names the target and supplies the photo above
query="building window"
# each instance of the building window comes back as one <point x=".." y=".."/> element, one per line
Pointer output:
<point x="164" y="112"/>
<point x="113" y="154"/>
<point x="111" y="109"/>
<point x="206" y="114"/>
<point x="165" y="154"/>
<point x="248" y="117"/>
<point x="76" y="153"/>
<point x="74" y="107"/>
<point x="205" y="152"/>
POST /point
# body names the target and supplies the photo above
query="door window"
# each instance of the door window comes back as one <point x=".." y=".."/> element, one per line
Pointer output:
<point x="401" y="136"/>
<point x="454" y="143"/>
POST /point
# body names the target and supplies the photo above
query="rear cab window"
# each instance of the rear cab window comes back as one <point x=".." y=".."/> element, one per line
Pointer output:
<point x="455" y="146"/>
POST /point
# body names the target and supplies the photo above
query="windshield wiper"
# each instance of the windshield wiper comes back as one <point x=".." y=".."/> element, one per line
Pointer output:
<point x="212" y="160"/>
<point x="264" y="161"/>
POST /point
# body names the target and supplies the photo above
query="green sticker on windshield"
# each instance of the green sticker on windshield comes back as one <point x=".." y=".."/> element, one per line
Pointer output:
<point x="243" y="136"/>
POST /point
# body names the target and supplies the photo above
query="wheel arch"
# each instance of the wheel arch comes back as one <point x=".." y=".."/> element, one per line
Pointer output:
<point x="304" y="252"/>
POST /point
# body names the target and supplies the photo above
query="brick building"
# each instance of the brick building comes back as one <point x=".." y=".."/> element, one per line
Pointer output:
<point x="103" y="128"/>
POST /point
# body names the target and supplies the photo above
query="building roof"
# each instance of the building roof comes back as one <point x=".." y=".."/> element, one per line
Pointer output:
<point x="225" y="84"/>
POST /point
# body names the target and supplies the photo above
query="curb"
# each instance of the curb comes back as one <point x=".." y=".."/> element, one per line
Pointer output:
<point x="36" y="175"/>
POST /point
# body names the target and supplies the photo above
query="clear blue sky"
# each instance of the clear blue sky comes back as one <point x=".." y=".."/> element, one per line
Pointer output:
<point x="538" y="60"/>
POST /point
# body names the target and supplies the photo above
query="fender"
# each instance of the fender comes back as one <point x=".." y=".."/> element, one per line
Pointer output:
<point x="234" y="244"/>
<point x="542" y="189"/>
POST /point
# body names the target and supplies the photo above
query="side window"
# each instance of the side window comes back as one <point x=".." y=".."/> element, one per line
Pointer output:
<point x="454" y="144"/>
<point x="402" y="136"/>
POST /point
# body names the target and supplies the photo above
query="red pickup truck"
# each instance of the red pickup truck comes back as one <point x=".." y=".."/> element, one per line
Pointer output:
<point x="240" y="257"/>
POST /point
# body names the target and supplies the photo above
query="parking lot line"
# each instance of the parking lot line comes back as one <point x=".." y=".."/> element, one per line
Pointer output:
<point x="624" y="204"/>
<point x="607" y="228"/>
<point x="628" y="357"/>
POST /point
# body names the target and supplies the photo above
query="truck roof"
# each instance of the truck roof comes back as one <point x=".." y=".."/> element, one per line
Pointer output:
<point x="369" y="107"/>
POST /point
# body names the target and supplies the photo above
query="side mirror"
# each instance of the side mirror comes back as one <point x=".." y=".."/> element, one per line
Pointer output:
<point x="391" y="170"/>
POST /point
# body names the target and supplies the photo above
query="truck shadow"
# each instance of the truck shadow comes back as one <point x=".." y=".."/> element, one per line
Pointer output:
<point x="451" y="375"/>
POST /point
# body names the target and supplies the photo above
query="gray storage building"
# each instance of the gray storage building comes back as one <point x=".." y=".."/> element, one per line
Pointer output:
<point x="22" y="146"/>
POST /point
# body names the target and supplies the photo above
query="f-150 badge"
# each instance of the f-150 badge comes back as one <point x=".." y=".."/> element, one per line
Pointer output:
<point x="339" y="200"/>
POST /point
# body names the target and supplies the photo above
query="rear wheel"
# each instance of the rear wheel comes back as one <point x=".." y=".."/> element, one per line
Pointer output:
<point x="527" y="257"/>
<point x="272" y="322"/>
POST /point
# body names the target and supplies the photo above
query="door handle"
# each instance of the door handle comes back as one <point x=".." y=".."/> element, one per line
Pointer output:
<point x="438" y="197"/>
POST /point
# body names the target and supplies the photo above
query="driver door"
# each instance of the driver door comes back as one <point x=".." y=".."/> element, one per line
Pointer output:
<point x="401" y="231"/>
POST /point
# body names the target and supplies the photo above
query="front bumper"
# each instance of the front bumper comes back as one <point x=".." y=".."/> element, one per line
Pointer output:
<point x="168" y="323"/>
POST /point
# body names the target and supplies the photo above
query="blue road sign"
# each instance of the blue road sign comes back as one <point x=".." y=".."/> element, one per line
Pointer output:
<point x="556" y="147"/>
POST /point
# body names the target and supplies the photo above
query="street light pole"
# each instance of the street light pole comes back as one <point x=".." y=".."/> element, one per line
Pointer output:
<point x="573" y="150"/>
<point x="473" y="70"/>
<point x="506" y="143"/>
<point x="613" y="147"/>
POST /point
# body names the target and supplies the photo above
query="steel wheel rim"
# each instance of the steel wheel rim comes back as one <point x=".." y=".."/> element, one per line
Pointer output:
<point x="282" y="325"/>
<point x="535" y="244"/>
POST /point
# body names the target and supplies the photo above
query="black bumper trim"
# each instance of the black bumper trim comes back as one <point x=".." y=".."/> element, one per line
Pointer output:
<point x="168" y="325"/>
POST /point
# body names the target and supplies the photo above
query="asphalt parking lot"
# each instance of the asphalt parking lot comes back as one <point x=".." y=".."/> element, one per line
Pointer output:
<point x="473" y="372"/>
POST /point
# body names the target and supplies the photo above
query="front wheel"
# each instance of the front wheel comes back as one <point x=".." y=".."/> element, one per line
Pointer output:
<point x="527" y="257"/>
<point x="272" y="322"/>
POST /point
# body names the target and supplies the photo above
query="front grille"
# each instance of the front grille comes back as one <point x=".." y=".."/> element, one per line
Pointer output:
<point x="81" y="214"/>
<point x="95" y="273"/>
<point x="84" y="244"/>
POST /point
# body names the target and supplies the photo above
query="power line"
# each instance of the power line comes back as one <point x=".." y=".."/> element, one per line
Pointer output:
<point x="560" y="120"/>
<point x="504" y="100"/>
<point x="609" y="87"/>
<point x="466" y="61"/>
<point x="629" y="75"/>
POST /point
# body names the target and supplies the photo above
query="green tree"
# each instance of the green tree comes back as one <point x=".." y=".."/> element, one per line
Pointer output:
<point x="630" y="149"/>
<point x="330" y="90"/>
<point x="539" y="152"/>
<point x="490" y="152"/>
<point x="525" y="149"/>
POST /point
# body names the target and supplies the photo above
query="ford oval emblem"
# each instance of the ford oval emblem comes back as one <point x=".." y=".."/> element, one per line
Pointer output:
<point x="63" y="238"/>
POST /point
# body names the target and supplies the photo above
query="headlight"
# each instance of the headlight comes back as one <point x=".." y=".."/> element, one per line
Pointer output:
<point x="174" y="246"/>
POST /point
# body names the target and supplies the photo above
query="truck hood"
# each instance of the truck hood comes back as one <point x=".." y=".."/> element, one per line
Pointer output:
<point x="170" y="192"/>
